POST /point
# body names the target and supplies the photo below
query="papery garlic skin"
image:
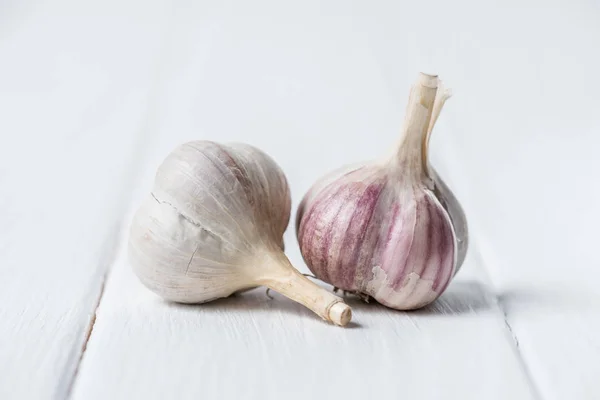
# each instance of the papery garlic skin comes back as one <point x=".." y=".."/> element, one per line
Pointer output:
<point x="384" y="229"/>
<point x="199" y="222"/>
<point x="213" y="225"/>
<point x="456" y="213"/>
<point x="396" y="244"/>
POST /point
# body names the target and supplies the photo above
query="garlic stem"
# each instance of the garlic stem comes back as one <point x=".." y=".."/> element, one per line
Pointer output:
<point x="292" y="284"/>
<point x="411" y="153"/>
<point x="441" y="96"/>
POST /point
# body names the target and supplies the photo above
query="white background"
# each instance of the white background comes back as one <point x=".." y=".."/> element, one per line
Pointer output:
<point x="94" y="94"/>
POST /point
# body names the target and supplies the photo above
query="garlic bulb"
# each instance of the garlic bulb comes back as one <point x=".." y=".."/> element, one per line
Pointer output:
<point x="213" y="225"/>
<point x="389" y="229"/>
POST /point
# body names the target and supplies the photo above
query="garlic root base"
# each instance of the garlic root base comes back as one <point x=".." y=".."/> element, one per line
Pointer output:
<point x="340" y="314"/>
<point x="286" y="280"/>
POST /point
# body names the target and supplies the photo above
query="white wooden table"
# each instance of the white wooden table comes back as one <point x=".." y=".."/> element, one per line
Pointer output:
<point x="94" y="95"/>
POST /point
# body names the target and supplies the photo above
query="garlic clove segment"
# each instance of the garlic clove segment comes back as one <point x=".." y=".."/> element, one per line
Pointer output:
<point x="213" y="225"/>
<point x="389" y="229"/>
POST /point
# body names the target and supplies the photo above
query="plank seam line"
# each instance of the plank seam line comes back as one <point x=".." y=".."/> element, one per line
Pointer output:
<point x="512" y="337"/>
<point x="517" y="349"/>
<point x="88" y="335"/>
<point x="111" y="251"/>
<point x="137" y="161"/>
<point x="476" y="249"/>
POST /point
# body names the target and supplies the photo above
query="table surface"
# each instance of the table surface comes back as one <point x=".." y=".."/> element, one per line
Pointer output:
<point x="93" y="95"/>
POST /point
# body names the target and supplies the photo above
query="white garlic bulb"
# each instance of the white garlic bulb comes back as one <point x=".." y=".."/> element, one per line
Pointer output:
<point x="389" y="229"/>
<point x="213" y="225"/>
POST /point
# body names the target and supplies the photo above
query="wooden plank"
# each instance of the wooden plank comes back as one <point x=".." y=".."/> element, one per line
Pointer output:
<point x="250" y="346"/>
<point x="524" y="155"/>
<point x="308" y="91"/>
<point x="74" y="83"/>
<point x="543" y="262"/>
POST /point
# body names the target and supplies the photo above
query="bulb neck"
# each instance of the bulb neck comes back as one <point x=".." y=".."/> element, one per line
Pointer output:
<point x="411" y="154"/>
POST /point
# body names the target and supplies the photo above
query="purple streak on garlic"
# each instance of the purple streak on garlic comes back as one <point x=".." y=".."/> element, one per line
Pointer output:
<point x="390" y="229"/>
<point x="213" y="225"/>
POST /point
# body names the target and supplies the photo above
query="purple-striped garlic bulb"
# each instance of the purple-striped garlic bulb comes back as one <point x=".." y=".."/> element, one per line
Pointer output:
<point x="390" y="229"/>
<point x="213" y="225"/>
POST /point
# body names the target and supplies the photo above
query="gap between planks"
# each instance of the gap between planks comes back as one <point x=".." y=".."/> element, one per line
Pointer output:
<point x="110" y="250"/>
<point x="476" y="250"/>
<point x="511" y="337"/>
<point x="145" y="133"/>
<point x="515" y="344"/>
